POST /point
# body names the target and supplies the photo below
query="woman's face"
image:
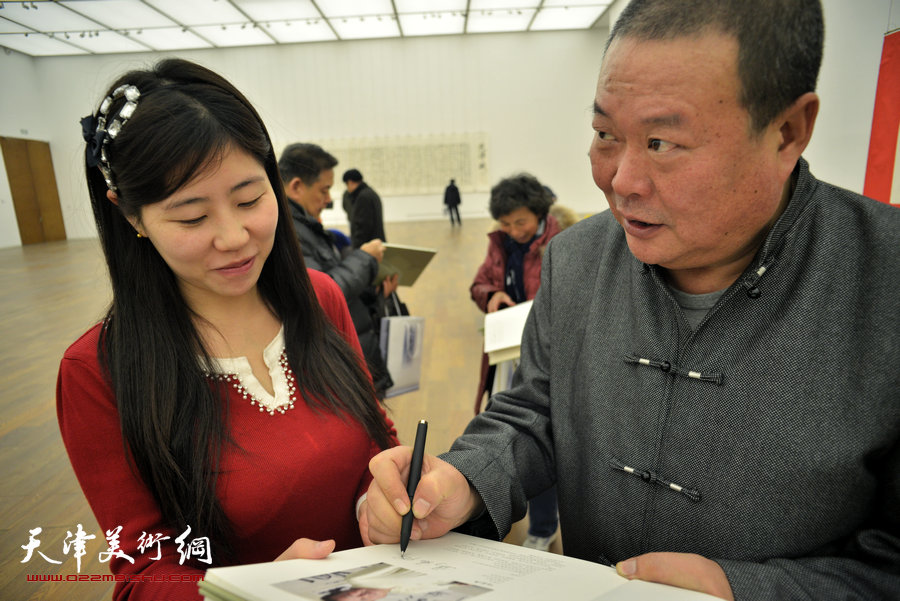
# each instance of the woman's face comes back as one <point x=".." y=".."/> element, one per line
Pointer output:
<point x="521" y="225"/>
<point x="216" y="232"/>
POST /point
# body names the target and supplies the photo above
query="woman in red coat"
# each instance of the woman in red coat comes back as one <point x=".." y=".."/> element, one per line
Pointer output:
<point x="511" y="274"/>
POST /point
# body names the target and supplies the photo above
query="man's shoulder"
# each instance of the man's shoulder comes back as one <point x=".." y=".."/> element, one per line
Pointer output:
<point x="849" y="214"/>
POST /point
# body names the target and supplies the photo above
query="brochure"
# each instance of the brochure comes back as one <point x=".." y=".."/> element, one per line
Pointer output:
<point x="453" y="567"/>
<point x="503" y="332"/>
<point x="407" y="261"/>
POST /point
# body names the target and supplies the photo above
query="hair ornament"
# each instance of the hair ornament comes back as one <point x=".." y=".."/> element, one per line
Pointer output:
<point x="97" y="135"/>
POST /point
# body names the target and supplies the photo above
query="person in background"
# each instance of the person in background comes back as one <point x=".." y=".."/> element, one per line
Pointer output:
<point x="365" y="214"/>
<point x="708" y="372"/>
<point x="182" y="410"/>
<point x="511" y="274"/>
<point x="564" y="216"/>
<point x="452" y="201"/>
<point x="307" y="173"/>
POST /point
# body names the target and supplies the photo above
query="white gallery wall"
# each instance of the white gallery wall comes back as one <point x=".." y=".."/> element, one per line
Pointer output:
<point x="529" y="93"/>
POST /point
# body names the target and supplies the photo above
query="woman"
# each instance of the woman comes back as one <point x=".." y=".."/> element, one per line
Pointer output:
<point x="221" y="409"/>
<point x="511" y="274"/>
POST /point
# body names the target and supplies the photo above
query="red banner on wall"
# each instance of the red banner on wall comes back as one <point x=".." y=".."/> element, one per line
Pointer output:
<point x="882" y="163"/>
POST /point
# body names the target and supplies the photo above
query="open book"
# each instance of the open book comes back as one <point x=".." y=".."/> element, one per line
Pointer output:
<point x="407" y="261"/>
<point x="503" y="332"/>
<point x="451" y="568"/>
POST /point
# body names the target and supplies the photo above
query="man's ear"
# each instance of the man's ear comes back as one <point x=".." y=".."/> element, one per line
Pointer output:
<point x="133" y="220"/>
<point x="293" y="188"/>
<point x="795" y="128"/>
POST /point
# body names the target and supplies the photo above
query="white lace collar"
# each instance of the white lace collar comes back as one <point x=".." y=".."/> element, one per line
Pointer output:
<point x="278" y="371"/>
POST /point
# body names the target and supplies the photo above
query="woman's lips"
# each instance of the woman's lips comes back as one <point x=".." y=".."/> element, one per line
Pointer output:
<point x="237" y="268"/>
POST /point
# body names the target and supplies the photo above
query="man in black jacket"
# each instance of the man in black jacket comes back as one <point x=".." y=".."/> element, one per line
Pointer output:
<point x="307" y="172"/>
<point x="363" y="206"/>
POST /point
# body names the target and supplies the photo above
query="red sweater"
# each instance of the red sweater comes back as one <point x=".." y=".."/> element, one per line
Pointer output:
<point x="299" y="474"/>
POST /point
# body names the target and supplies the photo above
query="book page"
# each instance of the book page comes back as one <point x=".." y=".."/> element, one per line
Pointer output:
<point x="451" y="568"/>
<point x="503" y="328"/>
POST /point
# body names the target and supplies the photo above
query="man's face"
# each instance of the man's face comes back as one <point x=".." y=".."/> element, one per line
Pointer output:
<point x="316" y="197"/>
<point x="693" y="188"/>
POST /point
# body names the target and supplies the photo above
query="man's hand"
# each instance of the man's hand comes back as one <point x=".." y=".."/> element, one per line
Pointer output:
<point x="499" y="298"/>
<point x="444" y="499"/>
<point x="684" y="570"/>
<point x="304" y="548"/>
<point x="375" y="248"/>
<point x="389" y="284"/>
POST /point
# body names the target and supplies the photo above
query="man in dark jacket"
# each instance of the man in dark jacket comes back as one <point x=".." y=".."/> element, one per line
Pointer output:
<point x="307" y="172"/>
<point x="452" y="201"/>
<point x="363" y="206"/>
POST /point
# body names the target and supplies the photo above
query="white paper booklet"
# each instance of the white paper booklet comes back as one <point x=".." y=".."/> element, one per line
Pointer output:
<point x="503" y="331"/>
<point x="451" y="568"/>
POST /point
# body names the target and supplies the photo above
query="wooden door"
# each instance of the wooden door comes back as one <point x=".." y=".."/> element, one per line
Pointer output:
<point x="32" y="183"/>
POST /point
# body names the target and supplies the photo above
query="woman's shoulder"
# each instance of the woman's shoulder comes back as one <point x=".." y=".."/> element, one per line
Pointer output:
<point x="85" y="347"/>
<point x="327" y="290"/>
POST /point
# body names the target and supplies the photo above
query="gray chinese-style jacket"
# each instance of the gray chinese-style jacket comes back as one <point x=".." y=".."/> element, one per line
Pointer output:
<point x="768" y="439"/>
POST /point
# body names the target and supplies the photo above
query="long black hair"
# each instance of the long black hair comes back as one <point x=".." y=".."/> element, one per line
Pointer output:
<point x="174" y="422"/>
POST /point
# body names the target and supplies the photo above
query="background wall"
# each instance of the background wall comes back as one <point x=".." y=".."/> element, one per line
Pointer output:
<point x="530" y="93"/>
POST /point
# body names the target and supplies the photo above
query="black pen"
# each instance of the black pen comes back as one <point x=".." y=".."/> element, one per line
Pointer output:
<point x="415" y="472"/>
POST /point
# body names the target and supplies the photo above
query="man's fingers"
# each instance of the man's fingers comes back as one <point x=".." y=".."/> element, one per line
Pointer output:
<point x="382" y="519"/>
<point x="391" y="469"/>
<point x="684" y="570"/>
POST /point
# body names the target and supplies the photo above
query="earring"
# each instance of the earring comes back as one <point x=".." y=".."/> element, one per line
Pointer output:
<point x="140" y="235"/>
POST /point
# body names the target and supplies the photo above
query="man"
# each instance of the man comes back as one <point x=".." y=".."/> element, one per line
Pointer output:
<point x="363" y="208"/>
<point x="307" y="172"/>
<point x="708" y="373"/>
<point x="452" y="201"/>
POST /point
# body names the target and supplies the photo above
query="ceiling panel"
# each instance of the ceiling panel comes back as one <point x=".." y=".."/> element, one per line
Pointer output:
<point x="502" y="4"/>
<point x="47" y="17"/>
<point x="570" y="17"/>
<point x="432" y="23"/>
<point x="488" y="21"/>
<point x="355" y="8"/>
<point x="199" y="12"/>
<point x="119" y="14"/>
<point x="278" y="10"/>
<point x="234" y="35"/>
<point x="111" y="26"/>
<point x="354" y="28"/>
<point x="170" y="38"/>
<point x="7" y="26"/>
<point x="107" y="42"/>
<point x="286" y="32"/>
<point x="430" y="6"/>
<point x="38" y="44"/>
